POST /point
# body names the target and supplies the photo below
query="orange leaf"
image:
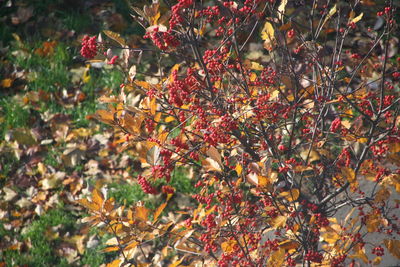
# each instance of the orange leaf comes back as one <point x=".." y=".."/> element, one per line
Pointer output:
<point x="228" y="246"/>
<point x="393" y="247"/>
<point x="110" y="249"/>
<point x="114" y="263"/>
<point x="141" y="213"/>
<point x="97" y="197"/>
<point x="159" y="211"/>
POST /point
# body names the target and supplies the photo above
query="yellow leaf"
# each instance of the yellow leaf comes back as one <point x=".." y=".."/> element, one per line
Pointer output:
<point x="90" y="205"/>
<point x="330" y="236"/>
<point x="239" y="169"/>
<point x="312" y="155"/>
<point x="393" y="247"/>
<point x="358" y="18"/>
<point x="330" y="14"/>
<point x="346" y="124"/>
<point x="289" y="244"/>
<point x="169" y="119"/>
<point x="114" y="263"/>
<point x="131" y="245"/>
<point x="274" y="94"/>
<point x="153" y="106"/>
<point x="377" y="261"/>
<point x="256" y="66"/>
<point x="362" y="140"/>
<point x="278" y="221"/>
<point x="349" y="174"/>
<point x="291" y="195"/>
<point x="277" y="258"/>
<point x="228" y="246"/>
<point x="105" y="116"/>
<point x="359" y="253"/>
<point x="267" y="32"/>
<point x="176" y="263"/>
<point x="116" y="37"/>
<point x="253" y="77"/>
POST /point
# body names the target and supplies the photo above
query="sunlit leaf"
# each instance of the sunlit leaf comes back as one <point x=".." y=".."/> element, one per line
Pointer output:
<point x="291" y="195"/>
<point x="142" y="213"/>
<point x="228" y="246"/>
<point x="267" y="32"/>
<point x="281" y="9"/>
<point x="213" y="153"/>
<point x="110" y="249"/>
<point x="330" y="14"/>
<point x="358" y="18"/>
<point x="116" y="37"/>
<point x="114" y="263"/>
<point x="153" y="156"/>
<point x="159" y="211"/>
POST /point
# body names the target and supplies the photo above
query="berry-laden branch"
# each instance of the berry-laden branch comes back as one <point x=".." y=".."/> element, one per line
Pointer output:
<point x="287" y="111"/>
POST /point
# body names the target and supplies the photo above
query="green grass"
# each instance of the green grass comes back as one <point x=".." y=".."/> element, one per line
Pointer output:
<point x="14" y="115"/>
<point x="42" y="235"/>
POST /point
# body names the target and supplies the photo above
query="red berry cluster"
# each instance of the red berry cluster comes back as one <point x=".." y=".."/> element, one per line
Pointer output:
<point x="336" y="125"/>
<point x="378" y="251"/>
<point x="146" y="186"/>
<point x="164" y="40"/>
<point x="89" y="47"/>
<point x="176" y="16"/>
<point x="313" y="256"/>
<point x="338" y="261"/>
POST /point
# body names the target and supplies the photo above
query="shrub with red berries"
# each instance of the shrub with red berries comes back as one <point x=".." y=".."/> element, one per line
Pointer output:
<point x="286" y="115"/>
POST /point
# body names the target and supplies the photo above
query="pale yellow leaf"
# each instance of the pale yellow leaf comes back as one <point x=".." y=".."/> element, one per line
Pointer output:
<point x="358" y="18"/>
<point x="330" y="14"/>
<point x="278" y="221"/>
<point x="267" y="32"/>
<point x="281" y="9"/>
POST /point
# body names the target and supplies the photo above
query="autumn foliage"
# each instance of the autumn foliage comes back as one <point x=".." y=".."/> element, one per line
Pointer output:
<point x="287" y="113"/>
